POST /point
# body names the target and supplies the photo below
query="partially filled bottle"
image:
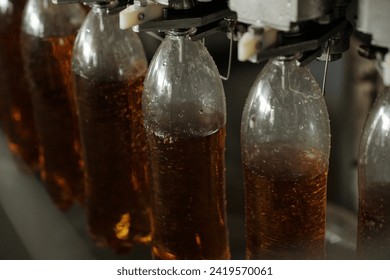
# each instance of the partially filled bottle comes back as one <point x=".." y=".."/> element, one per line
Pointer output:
<point x="373" y="239"/>
<point x="109" y="67"/>
<point x="185" y="117"/>
<point x="48" y="33"/>
<point x="285" y="144"/>
<point x="16" y="116"/>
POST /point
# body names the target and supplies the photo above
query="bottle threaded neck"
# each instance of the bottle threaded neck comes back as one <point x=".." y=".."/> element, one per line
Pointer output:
<point x="181" y="32"/>
<point x="107" y="5"/>
<point x="289" y="57"/>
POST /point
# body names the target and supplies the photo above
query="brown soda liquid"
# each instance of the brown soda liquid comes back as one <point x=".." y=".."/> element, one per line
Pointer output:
<point x="48" y="66"/>
<point x="16" y="112"/>
<point x="285" y="195"/>
<point x="114" y="145"/>
<point x="188" y="197"/>
<point x="373" y="238"/>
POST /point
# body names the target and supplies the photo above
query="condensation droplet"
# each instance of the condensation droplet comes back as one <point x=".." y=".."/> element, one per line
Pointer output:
<point x="252" y="122"/>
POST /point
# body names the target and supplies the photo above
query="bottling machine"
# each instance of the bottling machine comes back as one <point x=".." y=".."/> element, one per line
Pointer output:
<point x="316" y="29"/>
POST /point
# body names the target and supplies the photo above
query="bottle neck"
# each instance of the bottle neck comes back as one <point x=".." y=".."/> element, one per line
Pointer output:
<point x="107" y="7"/>
<point x="183" y="5"/>
<point x="283" y="61"/>
<point x="181" y="32"/>
<point x="288" y="58"/>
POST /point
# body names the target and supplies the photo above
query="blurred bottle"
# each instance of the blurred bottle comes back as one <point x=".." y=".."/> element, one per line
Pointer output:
<point x="373" y="238"/>
<point x="109" y="67"/>
<point x="4" y="113"/>
<point x="48" y="33"/>
<point x="185" y="116"/>
<point x="16" y="116"/>
<point x="285" y="148"/>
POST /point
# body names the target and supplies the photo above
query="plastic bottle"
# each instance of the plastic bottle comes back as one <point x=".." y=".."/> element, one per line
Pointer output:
<point x="48" y="33"/>
<point x="16" y="116"/>
<point x="285" y="144"/>
<point x="373" y="238"/>
<point x="109" y="67"/>
<point x="185" y="116"/>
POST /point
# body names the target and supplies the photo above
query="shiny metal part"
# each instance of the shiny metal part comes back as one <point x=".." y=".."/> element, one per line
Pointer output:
<point x="316" y="29"/>
<point x="280" y="14"/>
<point x="373" y="19"/>
<point x="373" y="22"/>
<point x="183" y="5"/>
<point x="206" y="17"/>
<point x="310" y="44"/>
<point x="325" y="69"/>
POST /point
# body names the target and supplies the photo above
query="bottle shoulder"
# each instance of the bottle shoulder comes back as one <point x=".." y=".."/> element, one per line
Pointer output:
<point x="376" y="131"/>
<point x="185" y="65"/>
<point x="42" y="18"/>
<point x="289" y="90"/>
<point x="374" y="148"/>
<point x="183" y="92"/>
<point x="285" y="105"/>
<point x="103" y="51"/>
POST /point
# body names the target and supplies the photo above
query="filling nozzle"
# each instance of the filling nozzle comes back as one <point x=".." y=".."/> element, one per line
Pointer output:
<point x="183" y="5"/>
<point x="318" y="29"/>
<point x="206" y="16"/>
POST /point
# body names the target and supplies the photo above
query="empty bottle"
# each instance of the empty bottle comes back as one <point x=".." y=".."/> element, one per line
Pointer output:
<point x="48" y="33"/>
<point x="109" y="67"/>
<point x="16" y="116"/>
<point x="285" y="149"/>
<point x="373" y="239"/>
<point x="185" y="116"/>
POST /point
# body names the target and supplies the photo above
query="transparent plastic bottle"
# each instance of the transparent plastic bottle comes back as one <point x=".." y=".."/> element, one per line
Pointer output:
<point x="185" y="116"/>
<point x="373" y="238"/>
<point x="16" y="116"/>
<point x="285" y="143"/>
<point x="109" y="67"/>
<point x="48" y="33"/>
